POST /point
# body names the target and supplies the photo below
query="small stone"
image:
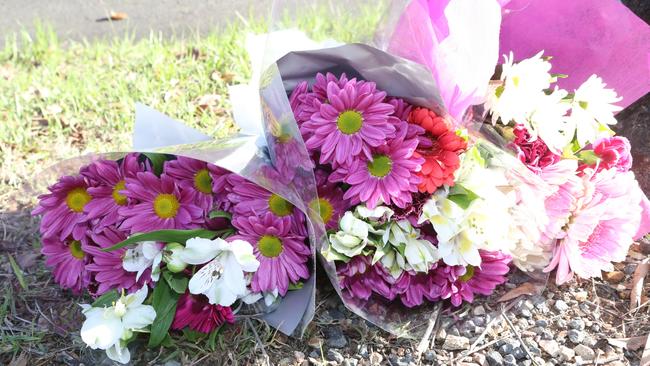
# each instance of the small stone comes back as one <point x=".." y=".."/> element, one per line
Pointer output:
<point x="581" y="296"/>
<point x="441" y="335"/>
<point x="454" y="331"/>
<point x="629" y="269"/>
<point x="576" y="336"/>
<point x="509" y="346"/>
<point x="560" y="323"/>
<point x="299" y="356"/>
<point x="478" y="311"/>
<point x="550" y="346"/>
<point x="509" y="360"/>
<point x="494" y="358"/>
<point x="566" y="353"/>
<point x="519" y="353"/>
<point x="376" y="358"/>
<point x="334" y="355"/>
<point x="350" y="362"/>
<point x="455" y="343"/>
<point x="561" y="306"/>
<point x="285" y="362"/>
<point x="479" y="321"/>
<point x="315" y="354"/>
<point x="577" y="323"/>
<point x="541" y="323"/>
<point x="430" y="356"/>
<point x="363" y="351"/>
<point x="547" y="335"/>
<point x="585" y="352"/>
<point x="479" y="358"/>
<point x="614" y="277"/>
<point x="336" y="338"/>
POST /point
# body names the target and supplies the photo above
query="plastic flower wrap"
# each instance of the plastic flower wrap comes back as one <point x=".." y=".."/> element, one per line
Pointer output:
<point x="186" y="235"/>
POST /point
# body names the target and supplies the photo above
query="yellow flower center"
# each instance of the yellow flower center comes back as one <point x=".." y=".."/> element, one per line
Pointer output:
<point x="380" y="166"/>
<point x="324" y="209"/>
<point x="203" y="181"/>
<point x="270" y="246"/>
<point x="77" y="199"/>
<point x="118" y="197"/>
<point x="349" y="122"/>
<point x="279" y="206"/>
<point x="75" y="249"/>
<point x="166" y="206"/>
<point x="469" y="273"/>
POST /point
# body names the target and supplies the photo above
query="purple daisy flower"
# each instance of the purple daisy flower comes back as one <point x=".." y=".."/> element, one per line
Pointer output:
<point x="249" y="198"/>
<point x="68" y="261"/>
<point x="360" y="278"/>
<point x="107" y="266"/>
<point x="296" y="101"/>
<point x="283" y="255"/>
<point x="414" y="288"/>
<point x="402" y="108"/>
<point x="330" y="203"/>
<point x="354" y="120"/>
<point x="108" y="178"/>
<point x="388" y="176"/>
<point x="198" y="178"/>
<point x="160" y="204"/>
<point x="63" y="209"/>
<point x="460" y="283"/>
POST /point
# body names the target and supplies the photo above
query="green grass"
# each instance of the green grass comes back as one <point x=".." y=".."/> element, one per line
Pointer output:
<point x="63" y="99"/>
<point x="60" y="99"/>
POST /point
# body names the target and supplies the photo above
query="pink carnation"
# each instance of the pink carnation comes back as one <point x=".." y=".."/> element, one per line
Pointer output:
<point x="532" y="151"/>
<point x="614" y="152"/>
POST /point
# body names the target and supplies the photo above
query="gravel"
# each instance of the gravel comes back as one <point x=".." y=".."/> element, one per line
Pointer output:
<point x="576" y="336"/>
<point x="455" y="343"/>
<point x="560" y="306"/>
<point x="585" y="352"/>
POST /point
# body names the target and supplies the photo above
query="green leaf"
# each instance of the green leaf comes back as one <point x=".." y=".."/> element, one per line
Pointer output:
<point x="296" y="286"/>
<point x="18" y="272"/>
<point x="212" y="340"/>
<point x="176" y="281"/>
<point x="220" y="214"/>
<point x="164" y="302"/>
<point x="157" y="161"/>
<point x="462" y="196"/>
<point x="166" y="236"/>
<point x="589" y="157"/>
<point x="107" y="299"/>
<point x="192" y="335"/>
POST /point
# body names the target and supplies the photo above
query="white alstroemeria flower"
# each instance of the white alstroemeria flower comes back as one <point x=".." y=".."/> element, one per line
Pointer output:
<point x="352" y="237"/>
<point x="222" y="278"/>
<point x="549" y="121"/>
<point x="523" y="83"/>
<point x="419" y="254"/>
<point x="459" y="251"/>
<point x="382" y="213"/>
<point x="110" y="328"/>
<point x="147" y="254"/>
<point x="593" y="109"/>
<point x="253" y="297"/>
<point x="444" y="214"/>
<point x="392" y="260"/>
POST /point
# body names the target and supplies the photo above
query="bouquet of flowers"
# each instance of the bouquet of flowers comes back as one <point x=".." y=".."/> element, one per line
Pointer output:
<point x="185" y="240"/>
<point x="422" y="200"/>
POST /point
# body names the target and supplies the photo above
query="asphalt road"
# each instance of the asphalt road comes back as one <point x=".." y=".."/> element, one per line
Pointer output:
<point x="87" y="19"/>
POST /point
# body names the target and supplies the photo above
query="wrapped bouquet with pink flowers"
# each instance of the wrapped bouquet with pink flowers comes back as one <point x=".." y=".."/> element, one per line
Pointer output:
<point x="185" y="239"/>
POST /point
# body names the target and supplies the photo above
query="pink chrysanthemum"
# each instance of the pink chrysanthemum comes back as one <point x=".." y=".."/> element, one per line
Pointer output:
<point x="605" y="215"/>
<point x="160" y="204"/>
<point x="354" y="120"/>
<point x="196" y="177"/>
<point x="107" y="266"/>
<point x="414" y="288"/>
<point x="330" y="203"/>
<point x="459" y="283"/>
<point x="248" y="198"/>
<point x="196" y="313"/>
<point x="63" y="209"/>
<point x="389" y="176"/>
<point x="68" y="262"/>
<point x="108" y="182"/>
<point x="360" y="278"/>
<point x="283" y="255"/>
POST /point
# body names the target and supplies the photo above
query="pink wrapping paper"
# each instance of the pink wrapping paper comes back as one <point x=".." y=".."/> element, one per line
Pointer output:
<point x="584" y="37"/>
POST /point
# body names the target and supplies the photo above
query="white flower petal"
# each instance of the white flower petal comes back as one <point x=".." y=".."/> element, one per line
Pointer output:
<point x="199" y="250"/>
<point x="139" y="317"/>
<point x="119" y="353"/>
<point x="243" y="252"/>
<point x="205" y="277"/>
<point x="101" y="329"/>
